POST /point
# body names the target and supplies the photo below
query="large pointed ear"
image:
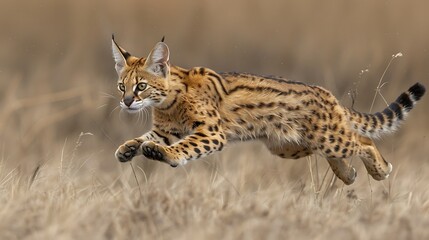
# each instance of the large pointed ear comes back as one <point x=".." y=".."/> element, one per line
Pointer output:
<point x="120" y="56"/>
<point x="157" y="61"/>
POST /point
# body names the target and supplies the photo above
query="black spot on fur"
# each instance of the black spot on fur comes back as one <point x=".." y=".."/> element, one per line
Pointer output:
<point x="200" y="134"/>
<point x="249" y="106"/>
<point x="295" y="154"/>
<point x="337" y="148"/>
<point x="197" y="124"/>
<point x="202" y="71"/>
<point x="221" y="147"/>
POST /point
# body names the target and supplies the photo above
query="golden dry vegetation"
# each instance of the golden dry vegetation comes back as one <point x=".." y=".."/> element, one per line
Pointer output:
<point x="59" y="125"/>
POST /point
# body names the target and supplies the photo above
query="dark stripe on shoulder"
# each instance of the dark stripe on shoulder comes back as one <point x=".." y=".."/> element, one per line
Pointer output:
<point x="219" y="81"/>
<point x="186" y="86"/>
<point x="171" y="104"/>
<point x="214" y="85"/>
<point x="176" y="74"/>
<point x="164" y="138"/>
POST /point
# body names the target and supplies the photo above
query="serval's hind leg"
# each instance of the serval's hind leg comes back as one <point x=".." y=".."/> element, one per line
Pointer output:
<point x="342" y="169"/>
<point x="374" y="163"/>
<point x="288" y="150"/>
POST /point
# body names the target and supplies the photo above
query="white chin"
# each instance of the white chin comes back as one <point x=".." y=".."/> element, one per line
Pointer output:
<point x="132" y="110"/>
<point x="135" y="107"/>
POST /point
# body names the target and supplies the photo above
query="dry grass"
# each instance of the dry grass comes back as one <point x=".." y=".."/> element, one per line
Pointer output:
<point x="213" y="199"/>
<point x="59" y="125"/>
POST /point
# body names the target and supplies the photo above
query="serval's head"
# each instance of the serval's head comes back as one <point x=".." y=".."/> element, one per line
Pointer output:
<point x="143" y="82"/>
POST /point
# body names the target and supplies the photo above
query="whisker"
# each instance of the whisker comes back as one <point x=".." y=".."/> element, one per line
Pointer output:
<point x="119" y="116"/>
<point x="113" y="111"/>
<point x="102" y="106"/>
<point x="146" y="115"/>
<point x="138" y="116"/>
<point x="107" y="95"/>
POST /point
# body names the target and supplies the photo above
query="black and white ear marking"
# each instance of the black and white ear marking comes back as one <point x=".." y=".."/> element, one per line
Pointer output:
<point x="157" y="61"/>
<point x="120" y="56"/>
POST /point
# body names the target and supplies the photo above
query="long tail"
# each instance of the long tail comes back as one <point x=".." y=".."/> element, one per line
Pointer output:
<point x="387" y="121"/>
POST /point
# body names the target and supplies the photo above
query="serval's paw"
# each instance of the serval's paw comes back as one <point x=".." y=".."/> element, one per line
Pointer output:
<point x="128" y="150"/>
<point x="157" y="152"/>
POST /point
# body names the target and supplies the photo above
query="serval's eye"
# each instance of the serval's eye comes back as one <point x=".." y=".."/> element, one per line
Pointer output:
<point x="121" y="87"/>
<point x="141" y="86"/>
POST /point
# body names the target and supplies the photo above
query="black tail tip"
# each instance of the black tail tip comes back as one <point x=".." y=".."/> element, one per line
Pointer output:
<point x="417" y="90"/>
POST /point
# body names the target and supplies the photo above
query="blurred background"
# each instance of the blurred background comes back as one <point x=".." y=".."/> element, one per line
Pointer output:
<point x="58" y="95"/>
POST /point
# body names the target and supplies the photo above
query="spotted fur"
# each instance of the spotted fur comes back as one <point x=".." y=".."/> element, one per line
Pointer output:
<point x="196" y="112"/>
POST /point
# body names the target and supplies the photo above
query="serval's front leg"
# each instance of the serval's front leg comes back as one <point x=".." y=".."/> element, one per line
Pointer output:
<point x="205" y="140"/>
<point x="132" y="148"/>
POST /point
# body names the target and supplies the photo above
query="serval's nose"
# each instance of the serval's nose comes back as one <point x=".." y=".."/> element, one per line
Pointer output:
<point x="128" y="100"/>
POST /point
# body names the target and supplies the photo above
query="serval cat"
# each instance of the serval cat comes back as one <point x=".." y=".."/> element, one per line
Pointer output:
<point x="197" y="111"/>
